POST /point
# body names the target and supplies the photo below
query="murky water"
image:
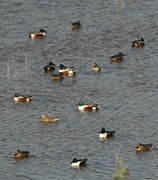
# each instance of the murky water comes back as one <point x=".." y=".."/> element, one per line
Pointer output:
<point x="126" y="92"/>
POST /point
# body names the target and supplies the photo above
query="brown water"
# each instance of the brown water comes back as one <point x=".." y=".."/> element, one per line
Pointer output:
<point x="126" y="92"/>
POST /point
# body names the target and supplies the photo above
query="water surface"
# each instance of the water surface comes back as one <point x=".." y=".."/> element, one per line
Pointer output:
<point x="126" y="92"/>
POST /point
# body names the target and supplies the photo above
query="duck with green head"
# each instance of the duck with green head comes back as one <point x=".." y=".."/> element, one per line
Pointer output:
<point x="138" y="43"/>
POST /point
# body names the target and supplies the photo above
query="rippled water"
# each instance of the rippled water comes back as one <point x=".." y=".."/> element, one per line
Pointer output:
<point x="126" y="92"/>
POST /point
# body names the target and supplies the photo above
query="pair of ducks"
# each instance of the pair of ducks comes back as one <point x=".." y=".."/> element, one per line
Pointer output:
<point x="75" y="163"/>
<point x="80" y="163"/>
<point x="104" y="135"/>
<point x="25" y="99"/>
<point x="63" y="71"/>
<point x="135" y="44"/>
<point x="77" y="25"/>
<point x="42" y="33"/>
<point x="82" y="106"/>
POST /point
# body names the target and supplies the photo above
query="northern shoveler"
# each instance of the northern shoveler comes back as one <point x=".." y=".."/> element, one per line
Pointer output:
<point x="118" y="57"/>
<point x="37" y="35"/>
<point x="57" y="77"/>
<point x="47" y="119"/>
<point x="75" y="25"/>
<point x="143" y="147"/>
<point x="67" y="71"/>
<point x="78" y="163"/>
<point x="21" y="154"/>
<point x="22" y="98"/>
<point x="82" y="107"/>
<point x="50" y="67"/>
<point x="96" y="67"/>
<point x="104" y="134"/>
<point x="138" y="43"/>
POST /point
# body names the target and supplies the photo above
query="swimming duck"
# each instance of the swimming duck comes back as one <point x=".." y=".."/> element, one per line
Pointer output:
<point x="75" y="25"/>
<point x="82" y="107"/>
<point x="22" y="98"/>
<point x="78" y="163"/>
<point x="67" y="71"/>
<point x="21" y="154"/>
<point x="96" y="67"/>
<point x="103" y="134"/>
<point x="118" y="57"/>
<point x="37" y="35"/>
<point x="143" y="147"/>
<point x="49" y="67"/>
<point x="57" y="77"/>
<point x="47" y="119"/>
<point x="138" y="43"/>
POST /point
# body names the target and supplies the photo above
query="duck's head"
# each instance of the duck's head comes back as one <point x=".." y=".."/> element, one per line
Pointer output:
<point x="81" y="103"/>
<point x="16" y="95"/>
<point x="139" y="145"/>
<point x="42" y="31"/>
<point x="102" y="130"/>
<point x="74" y="160"/>
<point x="150" y="144"/>
<point x="17" y="152"/>
<point x="142" y="39"/>
<point x="61" y="66"/>
<point x="44" y="116"/>
<point x="51" y="64"/>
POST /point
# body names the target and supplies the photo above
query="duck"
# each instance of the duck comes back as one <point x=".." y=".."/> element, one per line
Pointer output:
<point x="21" y="154"/>
<point x="22" y="98"/>
<point x="83" y="107"/>
<point x="57" y="77"/>
<point x="118" y="57"/>
<point x="67" y="71"/>
<point x="78" y="163"/>
<point x="104" y="134"/>
<point x="47" y="119"/>
<point x="75" y="25"/>
<point x="37" y="35"/>
<point x="143" y="147"/>
<point x="50" y="67"/>
<point x="96" y="68"/>
<point x="138" y="43"/>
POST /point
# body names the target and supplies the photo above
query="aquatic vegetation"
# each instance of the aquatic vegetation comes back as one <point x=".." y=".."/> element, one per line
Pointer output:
<point x="121" y="171"/>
